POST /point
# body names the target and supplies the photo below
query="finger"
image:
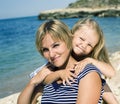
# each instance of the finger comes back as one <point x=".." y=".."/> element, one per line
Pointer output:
<point x="71" y="79"/>
<point x="59" y="81"/>
<point x="76" y="65"/>
<point x="78" y="70"/>
<point x="74" y="75"/>
<point x="72" y="70"/>
<point x="64" y="83"/>
<point x="68" y="81"/>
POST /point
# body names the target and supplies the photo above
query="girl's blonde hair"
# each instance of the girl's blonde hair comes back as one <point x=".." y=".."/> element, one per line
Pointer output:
<point x="58" y="31"/>
<point x="99" y="52"/>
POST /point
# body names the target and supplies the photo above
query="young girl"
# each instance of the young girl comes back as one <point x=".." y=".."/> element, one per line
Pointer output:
<point x="84" y="32"/>
<point x="54" y="43"/>
<point x="86" y="51"/>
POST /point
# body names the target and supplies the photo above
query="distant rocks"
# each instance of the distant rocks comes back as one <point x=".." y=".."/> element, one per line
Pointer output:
<point x="80" y="12"/>
<point x="85" y="8"/>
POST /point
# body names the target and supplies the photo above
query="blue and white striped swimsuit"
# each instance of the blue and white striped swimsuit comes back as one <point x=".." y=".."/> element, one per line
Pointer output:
<point x="59" y="94"/>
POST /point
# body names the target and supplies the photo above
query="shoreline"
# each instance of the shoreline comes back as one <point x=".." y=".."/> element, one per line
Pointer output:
<point x="113" y="82"/>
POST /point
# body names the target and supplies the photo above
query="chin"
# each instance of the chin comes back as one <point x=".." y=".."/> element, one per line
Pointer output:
<point x="78" y="52"/>
<point x="57" y="65"/>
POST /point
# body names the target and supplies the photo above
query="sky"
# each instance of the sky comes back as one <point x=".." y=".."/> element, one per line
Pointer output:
<point x="23" y="8"/>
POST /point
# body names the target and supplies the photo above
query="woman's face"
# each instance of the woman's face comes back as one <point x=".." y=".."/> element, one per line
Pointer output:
<point x="84" y="40"/>
<point x="55" y="51"/>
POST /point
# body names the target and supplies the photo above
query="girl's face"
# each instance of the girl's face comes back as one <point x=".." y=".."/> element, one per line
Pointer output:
<point x="84" y="40"/>
<point x="55" y="51"/>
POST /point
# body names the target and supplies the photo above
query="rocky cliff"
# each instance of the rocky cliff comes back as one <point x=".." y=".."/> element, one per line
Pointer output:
<point x="95" y="4"/>
<point x="85" y="8"/>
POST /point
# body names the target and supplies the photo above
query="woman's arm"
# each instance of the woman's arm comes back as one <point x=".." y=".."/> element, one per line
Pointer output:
<point x="89" y="89"/>
<point x="38" y="90"/>
<point x="26" y="95"/>
<point x="105" y="68"/>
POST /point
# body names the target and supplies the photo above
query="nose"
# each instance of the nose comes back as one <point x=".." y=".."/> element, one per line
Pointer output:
<point x="84" y="44"/>
<point x="51" y="53"/>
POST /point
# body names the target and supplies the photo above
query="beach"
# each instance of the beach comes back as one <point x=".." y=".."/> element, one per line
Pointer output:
<point x="113" y="82"/>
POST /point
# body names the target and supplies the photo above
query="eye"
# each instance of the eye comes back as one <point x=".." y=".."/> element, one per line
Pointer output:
<point x="56" y="45"/>
<point x="44" y="50"/>
<point x="82" y="39"/>
<point x="90" y="45"/>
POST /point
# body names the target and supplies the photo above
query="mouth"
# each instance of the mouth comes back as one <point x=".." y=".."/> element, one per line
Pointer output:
<point x="55" y="59"/>
<point x="80" y="48"/>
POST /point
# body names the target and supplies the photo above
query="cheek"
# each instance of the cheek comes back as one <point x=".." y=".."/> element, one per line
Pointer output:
<point x="61" y="50"/>
<point x="74" y="41"/>
<point x="89" y="50"/>
<point x="45" y="55"/>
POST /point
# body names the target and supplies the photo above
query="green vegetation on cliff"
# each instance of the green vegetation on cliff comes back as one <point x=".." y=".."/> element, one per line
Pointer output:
<point x="94" y="3"/>
<point x="85" y="8"/>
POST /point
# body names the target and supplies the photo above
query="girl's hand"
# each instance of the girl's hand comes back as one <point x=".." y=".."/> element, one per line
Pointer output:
<point x="81" y="65"/>
<point x="67" y="76"/>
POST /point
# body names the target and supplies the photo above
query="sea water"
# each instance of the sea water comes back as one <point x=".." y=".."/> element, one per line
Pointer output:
<point x="18" y="54"/>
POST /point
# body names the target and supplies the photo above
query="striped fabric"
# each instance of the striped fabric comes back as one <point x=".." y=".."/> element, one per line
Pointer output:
<point x="59" y="94"/>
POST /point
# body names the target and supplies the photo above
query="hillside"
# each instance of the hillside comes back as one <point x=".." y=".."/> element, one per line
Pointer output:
<point x="84" y="8"/>
<point x="97" y="4"/>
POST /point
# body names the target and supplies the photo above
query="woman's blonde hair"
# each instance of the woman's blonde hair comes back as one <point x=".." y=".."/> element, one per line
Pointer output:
<point x="58" y="31"/>
<point x="99" y="52"/>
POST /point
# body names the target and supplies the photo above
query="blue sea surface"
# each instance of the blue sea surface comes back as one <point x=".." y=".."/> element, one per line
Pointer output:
<point x="18" y="54"/>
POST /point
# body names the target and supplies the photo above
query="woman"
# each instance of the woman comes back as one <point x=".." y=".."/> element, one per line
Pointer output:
<point x="54" y="43"/>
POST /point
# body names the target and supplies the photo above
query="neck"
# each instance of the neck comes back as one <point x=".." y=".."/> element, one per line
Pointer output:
<point x="72" y="62"/>
<point x="69" y="63"/>
<point x="78" y="57"/>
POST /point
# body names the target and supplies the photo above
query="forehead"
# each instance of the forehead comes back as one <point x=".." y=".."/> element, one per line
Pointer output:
<point x="88" y="33"/>
<point x="49" y="39"/>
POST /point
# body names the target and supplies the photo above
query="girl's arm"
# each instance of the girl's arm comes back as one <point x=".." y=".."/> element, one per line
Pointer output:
<point x="62" y="76"/>
<point x="105" y="68"/>
<point x="108" y="96"/>
<point x="89" y="89"/>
